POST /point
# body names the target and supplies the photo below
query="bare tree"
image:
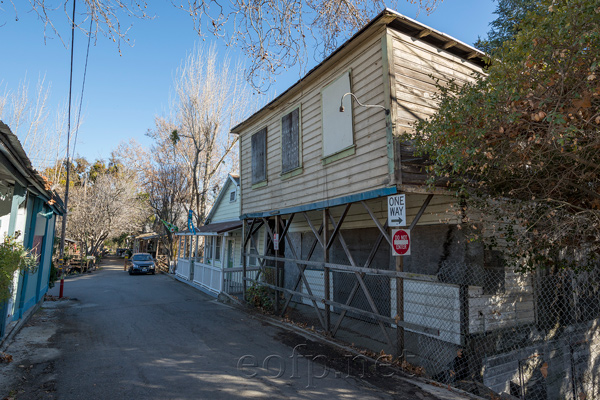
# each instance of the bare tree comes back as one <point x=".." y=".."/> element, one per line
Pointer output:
<point x="105" y="208"/>
<point x="165" y="181"/>
<point x="107" y="15"/>
<point x="278" y="34"/>
<point x="209" y="98"/>
<point x="273" y="34"/>
<point x="40" y="132"/>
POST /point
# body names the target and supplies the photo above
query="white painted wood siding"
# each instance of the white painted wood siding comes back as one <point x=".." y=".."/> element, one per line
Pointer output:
<point x="366" y="170"/>
<point x="227" y="210"/>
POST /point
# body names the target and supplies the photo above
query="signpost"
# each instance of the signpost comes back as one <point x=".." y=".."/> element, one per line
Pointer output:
<point x="397" y="210"/>
<point x="401" y="242"/>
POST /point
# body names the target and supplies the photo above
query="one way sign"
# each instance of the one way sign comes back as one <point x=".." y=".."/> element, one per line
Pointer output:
<point x="397" y="210"/>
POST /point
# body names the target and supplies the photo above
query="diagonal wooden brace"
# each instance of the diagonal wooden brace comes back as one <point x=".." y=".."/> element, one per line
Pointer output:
<point x="360" y="280"/>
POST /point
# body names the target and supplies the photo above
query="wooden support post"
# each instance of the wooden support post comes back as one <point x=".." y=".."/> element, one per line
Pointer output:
<point x="301" y="276"/>
<point x="400" y="309"/>
<point x="268" y="276"/>
<point x="356" y="284"/>
<point x="359" y="278"/>
<point x="327" y="283"/>
<point x="277" y="272"/>
<point x="400" y="344"/>
<point x="244" y="260"/>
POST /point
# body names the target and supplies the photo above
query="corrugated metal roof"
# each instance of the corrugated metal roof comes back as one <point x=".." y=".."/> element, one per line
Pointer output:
<point x="214" y="229"/>
<point x="11" y="146"/>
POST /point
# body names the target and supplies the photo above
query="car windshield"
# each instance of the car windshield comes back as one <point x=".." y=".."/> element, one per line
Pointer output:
<point x="141" y="257"/>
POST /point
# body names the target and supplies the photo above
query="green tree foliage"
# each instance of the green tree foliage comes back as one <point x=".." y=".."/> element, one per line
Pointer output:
<point x="510" y="14"/>
<point x="13" y="257"/>
<point x="522" y="143"/>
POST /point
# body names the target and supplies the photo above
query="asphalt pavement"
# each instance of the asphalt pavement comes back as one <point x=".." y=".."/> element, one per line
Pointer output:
<point x="152" y="337"/>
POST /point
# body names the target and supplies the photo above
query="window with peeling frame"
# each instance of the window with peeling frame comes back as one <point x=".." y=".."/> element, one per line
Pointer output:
<point x="259" y="156"/>
<point x="290" y="141"/>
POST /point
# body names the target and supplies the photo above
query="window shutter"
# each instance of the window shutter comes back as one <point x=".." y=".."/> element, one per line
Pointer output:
<point x="259" y="156"/>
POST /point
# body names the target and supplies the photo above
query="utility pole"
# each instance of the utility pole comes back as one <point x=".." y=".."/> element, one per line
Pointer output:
<point x="64" y="218"/>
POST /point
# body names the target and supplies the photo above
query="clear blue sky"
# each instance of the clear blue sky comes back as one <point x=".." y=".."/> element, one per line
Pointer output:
<point x="124" y="92"/>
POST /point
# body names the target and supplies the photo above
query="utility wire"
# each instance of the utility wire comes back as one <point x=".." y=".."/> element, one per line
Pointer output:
<point x="64" y="218"/>
<point x="87" y="53"/>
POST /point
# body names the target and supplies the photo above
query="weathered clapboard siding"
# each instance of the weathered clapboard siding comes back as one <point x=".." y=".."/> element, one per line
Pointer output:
<point x="366" y="170"/>
<point x="416" y="66"/>
<point x="515" y="306"/>
<point x="227" y="210"/>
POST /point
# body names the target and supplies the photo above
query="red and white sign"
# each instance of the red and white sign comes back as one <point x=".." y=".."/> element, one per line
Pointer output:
<point x="401" y="242"/>
<point x="276" y="241"/>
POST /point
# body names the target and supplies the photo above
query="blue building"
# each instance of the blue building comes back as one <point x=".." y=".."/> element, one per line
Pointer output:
<point x="28" y="206"/>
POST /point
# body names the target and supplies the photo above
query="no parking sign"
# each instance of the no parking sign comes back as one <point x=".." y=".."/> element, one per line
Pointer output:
<point x="401" y="242"/>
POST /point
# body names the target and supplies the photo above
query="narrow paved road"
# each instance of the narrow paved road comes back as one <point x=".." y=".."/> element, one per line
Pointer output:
<point x="151" y="337"/>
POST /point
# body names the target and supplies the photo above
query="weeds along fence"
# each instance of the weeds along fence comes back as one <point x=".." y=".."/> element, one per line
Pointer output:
<point x="485" y="330"/>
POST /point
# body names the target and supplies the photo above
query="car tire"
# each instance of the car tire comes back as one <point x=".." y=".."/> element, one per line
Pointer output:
<point x="130" y="272"/>
<point x="153" y="272"/>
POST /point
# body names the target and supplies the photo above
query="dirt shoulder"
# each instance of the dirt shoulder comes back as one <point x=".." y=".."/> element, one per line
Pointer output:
<point x="28" y="371"/>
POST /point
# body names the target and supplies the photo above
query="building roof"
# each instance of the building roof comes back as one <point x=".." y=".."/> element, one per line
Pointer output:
<point x="397" y="21"/>
<point x="214" y="229"/>
<point x="149" y="235"/>
<point x="14" y="158"/>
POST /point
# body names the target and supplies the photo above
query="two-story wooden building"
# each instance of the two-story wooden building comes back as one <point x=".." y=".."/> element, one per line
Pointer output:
<point x="317" y="166"/>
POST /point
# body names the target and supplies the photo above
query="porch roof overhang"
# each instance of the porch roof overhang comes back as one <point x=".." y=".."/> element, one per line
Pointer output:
<point x="214" y="229"/>
<point x="18" y="166"/>
<point x="147" y="236"/>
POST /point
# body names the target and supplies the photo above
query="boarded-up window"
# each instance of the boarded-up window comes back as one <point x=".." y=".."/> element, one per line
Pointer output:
<point x="259" y="156"/>
<point x="290" y="141"/>
<point x="337" y="126"/>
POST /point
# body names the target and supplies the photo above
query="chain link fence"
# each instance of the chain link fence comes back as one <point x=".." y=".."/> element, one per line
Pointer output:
<point x="485" y="330"/>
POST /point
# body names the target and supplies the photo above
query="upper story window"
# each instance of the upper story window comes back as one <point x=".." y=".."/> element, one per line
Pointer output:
<point x="290" y="141"/>
<point x="337" y="126"/>
<point x="232" y="196"/>
<point x="259" y="156"/>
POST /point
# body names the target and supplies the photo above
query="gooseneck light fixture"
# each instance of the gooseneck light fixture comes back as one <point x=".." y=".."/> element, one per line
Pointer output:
<point x="387" y="111"/>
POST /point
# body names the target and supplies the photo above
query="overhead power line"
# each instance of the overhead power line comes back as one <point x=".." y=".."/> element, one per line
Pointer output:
<point x="64" y="219"/>
<point x="87" y="53"/>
